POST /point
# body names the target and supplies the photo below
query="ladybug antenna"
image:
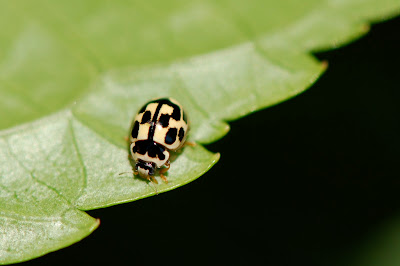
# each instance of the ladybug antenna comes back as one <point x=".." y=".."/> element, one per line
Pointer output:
<point x="154" y="187"/>
<point x="125" y="173"/>
<point x="134" y="173"/>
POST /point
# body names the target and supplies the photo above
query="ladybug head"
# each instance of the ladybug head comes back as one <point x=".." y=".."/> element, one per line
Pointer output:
<point x="145" y="169"/>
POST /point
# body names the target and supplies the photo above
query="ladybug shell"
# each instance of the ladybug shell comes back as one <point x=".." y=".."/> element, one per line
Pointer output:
<point x="160" y="125"/>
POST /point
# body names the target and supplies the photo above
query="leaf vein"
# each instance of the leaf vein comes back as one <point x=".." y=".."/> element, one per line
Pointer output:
<point x="80" y="158"/>
<point x="32" y="175"/>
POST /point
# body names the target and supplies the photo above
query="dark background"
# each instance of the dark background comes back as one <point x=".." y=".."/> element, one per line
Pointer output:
<point x="310" y="191"/>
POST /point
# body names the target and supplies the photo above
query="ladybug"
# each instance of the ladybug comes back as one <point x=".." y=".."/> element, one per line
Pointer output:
<point x="160" y="126"/>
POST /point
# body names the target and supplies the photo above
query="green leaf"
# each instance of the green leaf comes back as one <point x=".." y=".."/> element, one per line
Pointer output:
<point x="73" y="74"/>
<point x="380" y="247"/>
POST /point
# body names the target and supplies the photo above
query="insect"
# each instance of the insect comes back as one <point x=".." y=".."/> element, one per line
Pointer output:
<point x="160" y="127"/>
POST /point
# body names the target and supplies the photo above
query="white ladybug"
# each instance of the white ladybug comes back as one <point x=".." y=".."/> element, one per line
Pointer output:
<point x="159" y="127"/>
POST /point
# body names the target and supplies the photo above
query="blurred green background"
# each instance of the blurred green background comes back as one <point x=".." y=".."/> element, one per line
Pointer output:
<point x="331" y="172"/>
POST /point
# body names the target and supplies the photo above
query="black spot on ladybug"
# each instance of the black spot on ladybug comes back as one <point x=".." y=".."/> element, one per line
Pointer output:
<point x="164" y="120"/>
<point x="146" y="117"/>
<point x="181" y="133"/>
<point x="170" y="137"/>
<point x="150" y="147"/>
<point x="134" y="148"/>
<point x="154" y="121"/>
<point x="176" y="114"/>
<point x="143" y="109"/>
<point x="155" y="151"/>
<point x="135" y="130"/>
<point x="161" y="155"/>
<point x="184" y="117"/>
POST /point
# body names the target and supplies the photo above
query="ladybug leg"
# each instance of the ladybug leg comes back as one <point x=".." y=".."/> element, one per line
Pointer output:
<point x="164" y="178"/>
<point x="186" y="143"/>
<point x="126" y="138"/>
<point x="189" y="143"/>
<point x="152" y="179"/>
<point x="162" y="171"/>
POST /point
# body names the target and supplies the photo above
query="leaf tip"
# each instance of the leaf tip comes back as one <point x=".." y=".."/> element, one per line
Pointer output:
<point x="217" y="156"/>
<point x="324" y="65"/>
<point x="365" y="28"/>
<point x="97" y="223"/>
